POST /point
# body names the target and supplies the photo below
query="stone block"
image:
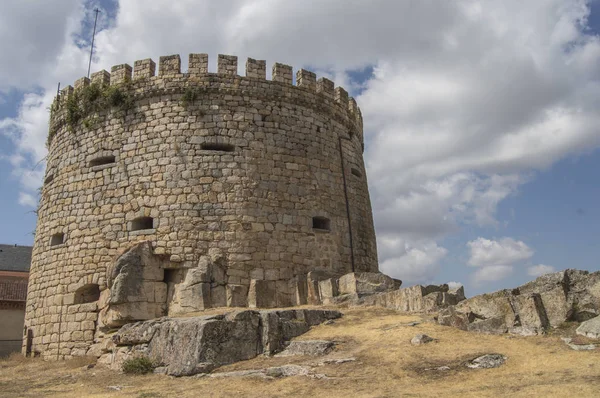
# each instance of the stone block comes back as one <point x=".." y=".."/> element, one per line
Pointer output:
<point x="555" y="303"/>
<point x="532" y="315"/>
<point x="262" y="294"/>
<point x="237" y="295"/>
<point x="299" y="287"/>
<point x="160" y="292"/>
<point x="328" y="289"/>
<point x="365" y="283"/>
<point x="195" y="297"/>
<point x="218" y="296"/>
<point x="198" y="64"/>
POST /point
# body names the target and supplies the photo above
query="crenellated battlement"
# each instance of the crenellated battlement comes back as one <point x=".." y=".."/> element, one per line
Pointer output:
<point x="143" y="80"/>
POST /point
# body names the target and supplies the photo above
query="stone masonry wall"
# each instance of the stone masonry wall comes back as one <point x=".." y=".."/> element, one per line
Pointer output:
<point x="223" y="165"/>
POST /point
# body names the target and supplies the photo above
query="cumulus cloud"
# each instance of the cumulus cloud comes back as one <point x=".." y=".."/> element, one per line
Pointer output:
<point x="466" y="98"/>
<point x="410" y="261"/>
<point x="506" y="251"/>
<point x="454" y="285"/>
<point x="492" y="273"/>
<point x="495" y="259"/>
<point x="539" y="270"/>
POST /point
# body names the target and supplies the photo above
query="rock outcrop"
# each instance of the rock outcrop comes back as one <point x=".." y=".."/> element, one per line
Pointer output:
<point x="416" y="298"/>
<point x="187" y="346"/>
<point x="530" y="309"/>
<point x="590" y="328"/>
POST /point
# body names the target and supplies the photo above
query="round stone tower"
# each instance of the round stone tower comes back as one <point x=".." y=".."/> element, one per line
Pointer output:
<point x="184" y="191"/>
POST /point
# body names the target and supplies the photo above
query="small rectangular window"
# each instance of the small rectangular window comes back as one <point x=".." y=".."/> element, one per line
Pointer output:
<point x="321" y="223"/>
<point x="142" y="223"/>
<point x="213" y="146"/>
<point x="356" y="172"/>
<point x="57" y="239"/>
<point x="49" y="179"/>
<point x="102" y="160"/>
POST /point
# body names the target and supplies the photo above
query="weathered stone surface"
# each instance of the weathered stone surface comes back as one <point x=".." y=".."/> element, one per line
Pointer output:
<point x="496" y="325"/>
<point x="299" y="289"/>
<point x="491" y="305"/>
<point x="365" y="283"/>
<point x="262" y="294"/>
<point x="328" y="289"/>
<point x="590" y="328"/>
<point x="531" y="313"/>
<point x="312" y="282"/>
<point x="556" y="305"/>
<point x="270" y="373"/>
<point x="578" y="347"/>
<point x="237" y="296"/>
<point x="186" y="346"/>
<point x="421" y="339"/>
<point x="487" y="361"/>
<point x="307" y="347"/>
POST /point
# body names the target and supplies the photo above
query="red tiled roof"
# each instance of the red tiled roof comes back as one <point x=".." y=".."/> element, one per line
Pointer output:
<point x="13" y="290"/>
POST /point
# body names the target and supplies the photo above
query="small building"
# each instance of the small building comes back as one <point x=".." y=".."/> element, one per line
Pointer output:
<point x="14" y="275"/>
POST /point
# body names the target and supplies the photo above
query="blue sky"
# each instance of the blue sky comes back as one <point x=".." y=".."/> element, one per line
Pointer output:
<point x="476" y="174"/>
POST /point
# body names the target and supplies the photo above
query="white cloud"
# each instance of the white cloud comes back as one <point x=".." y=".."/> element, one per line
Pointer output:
<point x="492" y="273"/>
<point x="27" y="200"/>
<point x="454" y="285"/>
<point x="467" y="97"/>
<point x="506" y="251"/>
<point x="412" y="262"/>
<point x="539" y="270"/>
<point x="495" y="259"/>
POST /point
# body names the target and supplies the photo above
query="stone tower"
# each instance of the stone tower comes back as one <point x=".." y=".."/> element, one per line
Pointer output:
<point x="184" y="191"/>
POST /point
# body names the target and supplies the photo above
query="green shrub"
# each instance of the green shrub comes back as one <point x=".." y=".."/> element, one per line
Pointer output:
<point x="138" y="365"/>
<point x="190" y="95"/>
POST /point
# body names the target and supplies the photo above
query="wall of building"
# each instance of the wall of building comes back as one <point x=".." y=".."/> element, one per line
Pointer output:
<point x="228" y="168"/>
<point x="11" y="332"/>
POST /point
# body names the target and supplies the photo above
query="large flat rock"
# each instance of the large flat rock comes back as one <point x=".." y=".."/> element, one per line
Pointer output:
<point x="187" y="346"/>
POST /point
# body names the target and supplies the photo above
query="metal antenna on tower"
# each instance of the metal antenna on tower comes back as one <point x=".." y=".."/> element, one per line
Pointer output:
<point x="96" y="10"/>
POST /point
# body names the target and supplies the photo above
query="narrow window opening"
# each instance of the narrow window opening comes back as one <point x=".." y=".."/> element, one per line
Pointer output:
<point x="57" y="239"/>
<point x="356" y="172"/>
<point x="321" y="223"/>
<point x="87" y="294"/>
<point x="142" y="223"/>
<point x="49" y="179"/>
<point x="102" y="160"/>
<point x="213" y="146"/>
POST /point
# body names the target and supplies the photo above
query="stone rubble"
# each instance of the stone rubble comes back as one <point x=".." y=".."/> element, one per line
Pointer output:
<point x="487" y="361"/>
<point x="421" y="339"/>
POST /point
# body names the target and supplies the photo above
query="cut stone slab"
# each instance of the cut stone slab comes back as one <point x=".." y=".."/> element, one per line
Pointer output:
<point x="307" y="347"/>
<point x="487" y="361"/>
<point x="590" y="328"/>
<point x="421" y="339"/>
<point x="365" y="283"/>
<point x="262" y="294"/>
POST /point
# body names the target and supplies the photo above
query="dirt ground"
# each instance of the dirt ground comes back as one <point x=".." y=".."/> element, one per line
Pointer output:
<point x="386" y="365"/>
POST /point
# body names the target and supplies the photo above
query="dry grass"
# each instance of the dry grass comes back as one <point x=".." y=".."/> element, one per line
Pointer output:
<point x="387" y="366"/>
